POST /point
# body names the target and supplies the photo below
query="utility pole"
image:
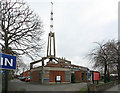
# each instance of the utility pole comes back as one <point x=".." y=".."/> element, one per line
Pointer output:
<point x="1" y="71"/>
<point x="119" y="42"/>
<point x="6" y="71"/>
<point x="119" y="62"/>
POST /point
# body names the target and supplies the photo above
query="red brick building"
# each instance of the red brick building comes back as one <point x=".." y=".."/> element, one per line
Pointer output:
<point x="63" y="70"/>
<point x="80" y="76"/>
<point x="52" y="73"/>
<point x="79" y="72"/>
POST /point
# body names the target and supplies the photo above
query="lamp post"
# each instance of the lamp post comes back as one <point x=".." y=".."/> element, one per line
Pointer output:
<point x="88" y="75"/>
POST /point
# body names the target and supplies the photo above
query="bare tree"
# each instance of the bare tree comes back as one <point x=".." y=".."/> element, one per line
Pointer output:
<point x="20" y="65"/>
<point x="21" y="29"/>
<point x="99" y="58"/>
<point x="105" y="57"/>
<point x="114" y="48"/>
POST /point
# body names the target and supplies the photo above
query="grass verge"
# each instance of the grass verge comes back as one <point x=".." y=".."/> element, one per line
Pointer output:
<point x="83" y="89"/>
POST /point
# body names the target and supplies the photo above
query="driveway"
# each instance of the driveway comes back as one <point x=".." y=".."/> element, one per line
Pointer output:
<point x="17" y="85"/>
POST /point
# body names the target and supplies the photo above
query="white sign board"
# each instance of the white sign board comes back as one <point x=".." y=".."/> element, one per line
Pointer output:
<point x="58" y="78"/>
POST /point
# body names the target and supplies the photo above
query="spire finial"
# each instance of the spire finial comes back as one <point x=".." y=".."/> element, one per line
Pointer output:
<point x="52" y="3"/>
<point x="51" y="19"/>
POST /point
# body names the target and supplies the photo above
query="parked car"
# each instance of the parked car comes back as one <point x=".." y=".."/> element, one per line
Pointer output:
<point x="19" y="78"/>
<point x="27" y="79"/>
<point x="23" y="78"/>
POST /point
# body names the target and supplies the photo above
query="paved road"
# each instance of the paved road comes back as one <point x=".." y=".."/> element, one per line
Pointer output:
<point x="114" y="88"/>
<point x="17" y="85"/>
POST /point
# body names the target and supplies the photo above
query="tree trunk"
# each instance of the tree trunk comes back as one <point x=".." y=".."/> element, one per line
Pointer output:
<point x="108" y="75"/>
<point x="105" y="73"/>
<point x="119" y="72"/>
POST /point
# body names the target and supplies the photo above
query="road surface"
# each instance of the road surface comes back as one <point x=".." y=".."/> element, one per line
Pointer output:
<point x="115" y="89"/>
<point x="17" y="85"/>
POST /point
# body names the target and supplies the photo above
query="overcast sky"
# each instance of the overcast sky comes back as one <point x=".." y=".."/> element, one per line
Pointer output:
<point x="77" y="24"/>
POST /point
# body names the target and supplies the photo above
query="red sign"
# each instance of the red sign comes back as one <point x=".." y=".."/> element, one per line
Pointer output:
<point x="96" y="76"/>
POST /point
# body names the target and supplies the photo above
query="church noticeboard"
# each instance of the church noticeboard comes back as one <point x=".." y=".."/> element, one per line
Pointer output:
<point x="58" y="78"/>
<point x="96" y="76"/>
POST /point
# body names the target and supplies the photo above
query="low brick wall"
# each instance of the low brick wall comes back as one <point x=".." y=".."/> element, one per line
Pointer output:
<point x="102" y="87"/>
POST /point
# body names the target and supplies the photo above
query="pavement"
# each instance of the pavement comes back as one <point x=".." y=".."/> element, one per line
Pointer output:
<point x="114" y="89"/>
<point x="17" y="85"/>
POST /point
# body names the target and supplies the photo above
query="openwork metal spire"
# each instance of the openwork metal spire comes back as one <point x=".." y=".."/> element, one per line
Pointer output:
<point x="51" y="37"/>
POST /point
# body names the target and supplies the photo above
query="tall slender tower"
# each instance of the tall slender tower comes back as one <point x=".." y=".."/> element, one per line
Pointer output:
<point x="51" y="37"/>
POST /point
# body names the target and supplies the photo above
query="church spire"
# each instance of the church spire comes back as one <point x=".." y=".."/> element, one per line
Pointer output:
<point x="51" y="37"/>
